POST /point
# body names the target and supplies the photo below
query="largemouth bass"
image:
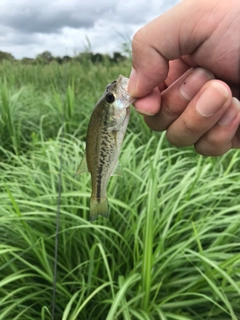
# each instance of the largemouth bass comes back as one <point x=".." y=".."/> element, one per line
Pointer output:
<point x="106" y="129"/>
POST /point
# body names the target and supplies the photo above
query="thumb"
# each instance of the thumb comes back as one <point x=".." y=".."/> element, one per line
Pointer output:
<point x="178" y="32"/>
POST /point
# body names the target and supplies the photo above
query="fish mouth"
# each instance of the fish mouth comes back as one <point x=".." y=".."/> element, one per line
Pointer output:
<point x="122" y="85"/>
<point x="119" y="87"/>
<point x="111" y="86"/>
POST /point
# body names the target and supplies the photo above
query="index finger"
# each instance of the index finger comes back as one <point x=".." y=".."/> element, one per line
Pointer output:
<point x="166" y="38"/>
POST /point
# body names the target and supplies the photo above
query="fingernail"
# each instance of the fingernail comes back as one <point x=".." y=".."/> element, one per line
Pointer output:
<point x="212" y="99"/>
<point x="191" y="85"/>
<point x="236" y="102"/>
<point x="144" y="113"/>
<point x="132" y="81"/>
<point x="230" y="114"/>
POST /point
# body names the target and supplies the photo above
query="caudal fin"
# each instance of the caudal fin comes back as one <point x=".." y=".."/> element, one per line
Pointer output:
<point x="98" y="208"/>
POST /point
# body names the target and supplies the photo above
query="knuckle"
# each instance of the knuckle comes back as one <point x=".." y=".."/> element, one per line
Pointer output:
<point x="189" y="128"/>
<point x="153" y="124"/>
<point x="170" y="112"/>
<point x="175" y="139"/>
<point x="138" y="37"/>
<point x="172" y="105"/>
<point x="212" y="145"/>
<point x="202" y="150"/>
<point x="208" y="151"/>
<point x="182" y="133"/>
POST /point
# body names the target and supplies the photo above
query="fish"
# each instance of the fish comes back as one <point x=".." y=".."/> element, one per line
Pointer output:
<point x="105" y="134"/>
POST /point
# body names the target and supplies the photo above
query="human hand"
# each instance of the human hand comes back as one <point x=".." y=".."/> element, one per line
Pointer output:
<point x="190" y="104"/>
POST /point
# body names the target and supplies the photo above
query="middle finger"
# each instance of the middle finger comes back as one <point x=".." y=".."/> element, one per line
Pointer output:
<point x="202" y="113"/>
<point x="176" y="97"/>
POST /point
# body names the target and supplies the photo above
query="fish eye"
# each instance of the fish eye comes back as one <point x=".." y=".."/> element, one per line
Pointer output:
<point x="110" y="98"/>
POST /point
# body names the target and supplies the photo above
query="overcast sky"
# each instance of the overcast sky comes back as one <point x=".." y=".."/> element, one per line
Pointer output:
<point x="29" y="27"/>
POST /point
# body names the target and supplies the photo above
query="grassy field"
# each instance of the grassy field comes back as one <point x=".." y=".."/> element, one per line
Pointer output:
<point x="171" y="246"/>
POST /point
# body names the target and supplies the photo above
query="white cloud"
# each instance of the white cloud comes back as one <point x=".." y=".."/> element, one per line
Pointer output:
<point x="28" y="27"/>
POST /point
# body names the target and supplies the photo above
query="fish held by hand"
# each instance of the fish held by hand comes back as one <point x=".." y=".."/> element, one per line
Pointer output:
<point x="105" y="133"/>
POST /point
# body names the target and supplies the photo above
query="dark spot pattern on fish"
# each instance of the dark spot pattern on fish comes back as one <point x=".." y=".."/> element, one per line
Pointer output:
<point x="106" y="140"/>
<point x="104" y="143"/>
<point x="102" y="155"/>
<point x="105" y="133"/>
<point x="105" y="122"/>
<point x="104" y="161"/>
<point x="99" y="180"/>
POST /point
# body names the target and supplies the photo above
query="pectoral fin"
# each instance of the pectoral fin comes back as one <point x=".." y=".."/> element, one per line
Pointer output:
<point x="83" y="166"/>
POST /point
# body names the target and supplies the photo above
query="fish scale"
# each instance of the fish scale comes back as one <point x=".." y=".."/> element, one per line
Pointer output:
<point x="103" y="166"/>
<point x="106" y="129"/>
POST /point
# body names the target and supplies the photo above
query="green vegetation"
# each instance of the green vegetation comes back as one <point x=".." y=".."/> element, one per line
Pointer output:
<point x="46" y="57"/>
<point x="170" y="248"/>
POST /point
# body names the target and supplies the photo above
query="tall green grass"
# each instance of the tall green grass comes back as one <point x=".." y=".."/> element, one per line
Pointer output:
<point x="170" y="248"/>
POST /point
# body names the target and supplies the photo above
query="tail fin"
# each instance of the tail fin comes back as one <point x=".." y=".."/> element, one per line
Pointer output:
<point x="98" y="208"/>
